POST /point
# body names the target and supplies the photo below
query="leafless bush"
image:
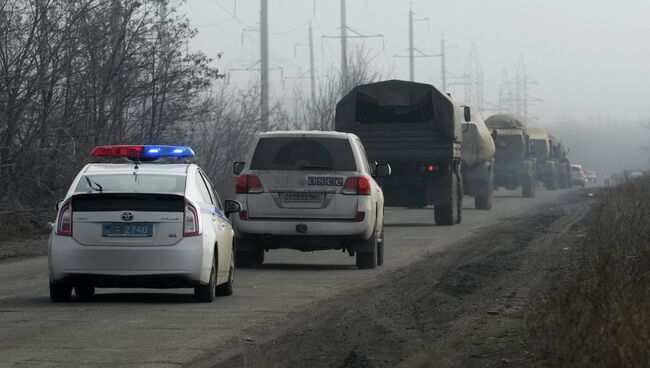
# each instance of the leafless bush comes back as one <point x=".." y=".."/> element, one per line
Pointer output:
<point x="598" y="312"/>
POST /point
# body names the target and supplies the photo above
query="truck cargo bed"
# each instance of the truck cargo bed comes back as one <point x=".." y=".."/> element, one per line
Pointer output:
<point x="400" y="142"/>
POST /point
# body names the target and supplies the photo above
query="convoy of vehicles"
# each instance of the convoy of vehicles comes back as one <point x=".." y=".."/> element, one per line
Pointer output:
<point x="310" y="191"/>
<point x="514" y="165"/>
<point x="140" y="223"/>
<point x="416" y="128"/>
<point x="145" y="217"/>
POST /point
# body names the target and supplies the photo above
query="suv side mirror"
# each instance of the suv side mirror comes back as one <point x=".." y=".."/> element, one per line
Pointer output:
<point x="467" y="112"/>
<point x="382" y="170"/>
<point x="238" y="167"/>
<point x="231" y="206"/>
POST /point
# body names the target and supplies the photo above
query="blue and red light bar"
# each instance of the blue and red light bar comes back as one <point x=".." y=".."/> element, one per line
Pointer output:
<point x="143" y="152"/>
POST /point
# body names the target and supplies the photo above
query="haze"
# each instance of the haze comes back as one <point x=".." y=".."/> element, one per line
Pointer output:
<point x="590" y="58"/>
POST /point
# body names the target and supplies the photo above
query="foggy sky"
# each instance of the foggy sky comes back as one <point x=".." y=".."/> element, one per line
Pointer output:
<point x="590" y="58"/>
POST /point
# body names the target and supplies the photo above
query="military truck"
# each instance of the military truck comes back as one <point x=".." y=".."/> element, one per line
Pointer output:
<point x="547" y="171"/>
<point x="513" y="165"/>
<point x="559" y="153"/>
<point x="417" y="129"/>
<point x="477" y="152"/>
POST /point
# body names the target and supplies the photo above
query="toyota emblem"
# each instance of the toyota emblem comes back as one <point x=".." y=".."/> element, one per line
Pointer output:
<point x="127" y="216"/>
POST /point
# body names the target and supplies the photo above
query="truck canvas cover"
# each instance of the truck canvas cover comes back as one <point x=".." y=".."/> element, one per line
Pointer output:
<point x="399" y="120"/>
<point x="477" y="145"/>
<point x="395" y="102"/>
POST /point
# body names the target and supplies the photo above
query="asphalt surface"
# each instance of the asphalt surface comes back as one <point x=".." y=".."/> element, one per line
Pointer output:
<point x="153" y="328"/>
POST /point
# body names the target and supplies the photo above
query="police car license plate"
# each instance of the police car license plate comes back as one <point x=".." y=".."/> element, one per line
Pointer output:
<point x="302" y="197"/>
<point x="127" y="230"/>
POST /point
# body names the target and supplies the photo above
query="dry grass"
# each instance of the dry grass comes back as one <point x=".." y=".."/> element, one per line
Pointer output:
<point x="597" y="313"/>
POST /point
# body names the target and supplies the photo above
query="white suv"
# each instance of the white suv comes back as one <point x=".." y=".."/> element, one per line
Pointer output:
<point x="142" y="224"/>
<point x="309" y="190"/>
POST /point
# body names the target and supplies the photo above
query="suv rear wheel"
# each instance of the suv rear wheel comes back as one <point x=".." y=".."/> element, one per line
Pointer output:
<point x="380" y="247"/>
<point x="84" y="291"/>
<point x="368" y="259"/>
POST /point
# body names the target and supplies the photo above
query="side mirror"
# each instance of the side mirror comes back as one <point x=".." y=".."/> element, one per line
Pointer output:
<point x="57" y="206"/>
<point x="382" y="170"/>
<point x="231" y="206"/>
<point x="238" y="167"/>
<point x="467" y="112"/>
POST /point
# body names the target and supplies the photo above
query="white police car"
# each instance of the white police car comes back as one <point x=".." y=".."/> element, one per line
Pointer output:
<point x="140" y="223"/>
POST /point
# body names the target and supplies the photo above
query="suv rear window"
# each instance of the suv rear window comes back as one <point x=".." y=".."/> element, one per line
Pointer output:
<point x="300" y="153"/>
<point x="131" y="183"/>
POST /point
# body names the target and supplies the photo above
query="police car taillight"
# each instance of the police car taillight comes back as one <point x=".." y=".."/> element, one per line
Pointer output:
<point x="191" y="223"/>
<point x="64" y="224"/>
<point x="142" y="152"/>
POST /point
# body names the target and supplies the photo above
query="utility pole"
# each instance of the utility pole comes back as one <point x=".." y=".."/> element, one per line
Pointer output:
<point x="312" y="69"/>
<point x="411" y="47"/>
<point x="442" y="63"/>
<point x="264" y="64"/>
<point x="344" y="45"/>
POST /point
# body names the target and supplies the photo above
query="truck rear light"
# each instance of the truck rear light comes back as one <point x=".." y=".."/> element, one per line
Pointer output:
<point x="360" y="217"/>
<point x="248" y="184"/>
<point x="64" y="225"/>
<point x="359" y="185"/>
<point x="191" y="223"/>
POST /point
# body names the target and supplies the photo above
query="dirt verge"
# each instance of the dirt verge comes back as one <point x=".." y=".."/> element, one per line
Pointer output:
<point x="464" y="307"/>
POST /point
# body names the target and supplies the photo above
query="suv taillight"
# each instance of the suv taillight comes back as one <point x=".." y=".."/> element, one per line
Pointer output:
<point x="359" y="185"/>
<point x="64" y="225"/>
<point x="191" y="224"/>
<point x="248" y="184"/>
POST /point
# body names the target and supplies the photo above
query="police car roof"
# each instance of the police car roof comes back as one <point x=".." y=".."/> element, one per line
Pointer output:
<point x="143" y="168"/>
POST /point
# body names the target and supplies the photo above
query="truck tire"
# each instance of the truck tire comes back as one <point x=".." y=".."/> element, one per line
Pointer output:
<point x="551" y="183"/>
<point x="447" y="214"/>
<point x="368" y="260"/>
<point x="483" y="203"/>
<point x="528" y="187"/>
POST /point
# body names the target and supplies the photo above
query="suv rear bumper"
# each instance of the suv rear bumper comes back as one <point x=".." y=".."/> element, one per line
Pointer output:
<point x="178" y="265"/>
<point x="361" y="229"/>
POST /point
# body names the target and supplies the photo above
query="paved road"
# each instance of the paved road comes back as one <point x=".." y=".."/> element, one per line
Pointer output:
<point x="150" y="328"/>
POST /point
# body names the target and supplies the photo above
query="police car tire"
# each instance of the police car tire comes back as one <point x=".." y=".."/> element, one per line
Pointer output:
<point x="60" y="292"/>
<point x="206" y="293"/>
<point x="226" y="289"/>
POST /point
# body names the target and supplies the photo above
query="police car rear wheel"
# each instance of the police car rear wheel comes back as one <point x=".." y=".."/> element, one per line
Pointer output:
<point x="206" y="293"/>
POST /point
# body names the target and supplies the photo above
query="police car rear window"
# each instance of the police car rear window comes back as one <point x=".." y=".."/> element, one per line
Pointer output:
<point x="298" y="153"/>
<point x="131" y="183"/>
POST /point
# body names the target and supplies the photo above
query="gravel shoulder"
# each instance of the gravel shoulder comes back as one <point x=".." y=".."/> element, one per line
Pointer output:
<point x="466" y="306"/>
<point x="23" y="248"/>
